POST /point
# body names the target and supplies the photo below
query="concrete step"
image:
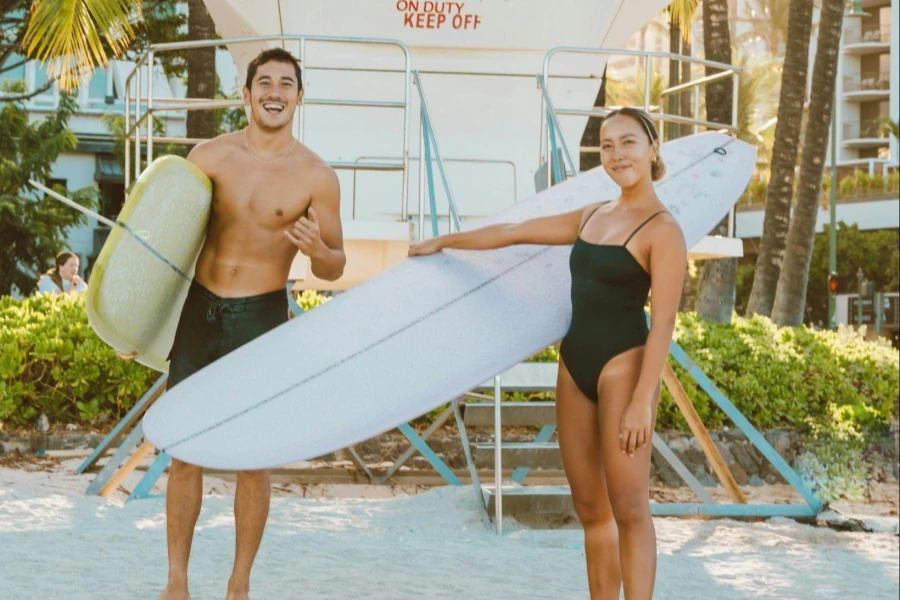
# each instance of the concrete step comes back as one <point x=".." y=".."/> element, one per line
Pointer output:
<point x="531" y="500"/>
<point x="511" y="414"/>
<point x="520" y="454"/>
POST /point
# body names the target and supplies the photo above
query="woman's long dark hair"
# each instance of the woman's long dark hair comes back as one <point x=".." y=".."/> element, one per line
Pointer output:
<point x="61" y="259"/>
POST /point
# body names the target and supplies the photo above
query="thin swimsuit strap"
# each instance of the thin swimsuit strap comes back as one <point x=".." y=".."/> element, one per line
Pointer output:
<point x="591" y="214"/>
<point x="650" y="218"/>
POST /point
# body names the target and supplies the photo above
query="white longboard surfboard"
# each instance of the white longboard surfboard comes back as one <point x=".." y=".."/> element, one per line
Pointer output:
<point x="417" y="335"/>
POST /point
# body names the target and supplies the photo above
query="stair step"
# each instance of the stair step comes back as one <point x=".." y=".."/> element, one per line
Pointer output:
<point x="532" y="500"/>
<point x="520" y="454"/>
<point x="511" y="414"/>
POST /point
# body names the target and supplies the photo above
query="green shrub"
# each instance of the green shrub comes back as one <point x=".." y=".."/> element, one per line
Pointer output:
<point x="785" y="377"/>
<point x="782" y="376"/>
<point x="842" y="456"/>
<point x="52" y="362"/>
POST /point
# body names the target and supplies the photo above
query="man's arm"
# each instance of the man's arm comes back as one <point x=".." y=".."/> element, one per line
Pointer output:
<point x="203" y="156"/>
<point x="319" y="235"/>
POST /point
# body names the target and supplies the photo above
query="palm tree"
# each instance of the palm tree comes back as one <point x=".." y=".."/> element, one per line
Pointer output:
<point x="630" y="92"/>
<point x="715" y="295"/>
<point x="769" y="21"/>
<point x="681" y="16"/>
<point x="69" y="35"/>
<point x="201" y="70"/>
<point x="790" y="296"/>
<point x="784" y="159"/>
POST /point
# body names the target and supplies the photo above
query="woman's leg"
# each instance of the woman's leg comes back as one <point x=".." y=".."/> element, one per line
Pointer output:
<point x="579" y="444"/>
<point x="628" y="477"/>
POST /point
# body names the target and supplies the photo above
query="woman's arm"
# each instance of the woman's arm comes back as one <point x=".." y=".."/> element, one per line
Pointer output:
<point x="668" y="263"/>
<point x="558" y="230"/>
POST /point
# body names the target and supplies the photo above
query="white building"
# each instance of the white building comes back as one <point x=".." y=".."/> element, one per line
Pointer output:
<point x="867" y="84"/>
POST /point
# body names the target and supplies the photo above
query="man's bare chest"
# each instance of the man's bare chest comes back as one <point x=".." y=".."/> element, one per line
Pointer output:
<point x="268" y="200"/>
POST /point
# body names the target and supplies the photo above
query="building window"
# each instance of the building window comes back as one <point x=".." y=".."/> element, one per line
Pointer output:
<point x="112" y="197"/>
<point x="108" y="175"/>
<point x="97" y="88"/>
<point x="13" y="69"/>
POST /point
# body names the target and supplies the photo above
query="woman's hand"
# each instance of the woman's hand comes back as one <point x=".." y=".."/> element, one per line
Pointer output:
<point x="636" y="428"/>
<point x="426" y="247"/>
<point x="128" y="356"/>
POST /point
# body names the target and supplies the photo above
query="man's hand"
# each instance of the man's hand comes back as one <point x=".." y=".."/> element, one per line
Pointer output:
<point x="306" y="236"/>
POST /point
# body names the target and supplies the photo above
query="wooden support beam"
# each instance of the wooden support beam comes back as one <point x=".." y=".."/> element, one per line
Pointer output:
<point x="133" y="461"/>
<point x="699" y="430"/>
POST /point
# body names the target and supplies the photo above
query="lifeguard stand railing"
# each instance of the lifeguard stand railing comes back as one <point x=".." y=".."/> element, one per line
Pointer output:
<point x="140" y="107"/>
<point x="552" y="140"/>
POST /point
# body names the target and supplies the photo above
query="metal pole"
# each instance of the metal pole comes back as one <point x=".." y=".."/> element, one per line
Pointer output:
<point x="860" y="280"/>
<point x="647" y="83"/>
<point x="498" y="461"/>
<point x="137" y="131"/>
<point x="878" y="307"/>
<point x="832" y="226"/>
<point x="150" y="107"/>
<point x="127" y="145"/>
<point x="407" y="96"/>
<point x="303" y="104"/>
<point x="421" y="231"/>
<point x="735" y="90"/>
<point x="696" y="109"/>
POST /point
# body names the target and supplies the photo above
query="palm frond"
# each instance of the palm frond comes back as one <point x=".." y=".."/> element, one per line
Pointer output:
<point x="66" y="34"/>
<point x="683" y="13"/>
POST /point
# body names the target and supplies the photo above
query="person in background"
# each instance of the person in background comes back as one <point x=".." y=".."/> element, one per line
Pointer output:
<point x="63" y="277"/>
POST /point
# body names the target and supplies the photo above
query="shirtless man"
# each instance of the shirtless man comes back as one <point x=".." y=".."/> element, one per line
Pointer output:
<point x="271" y="197"/>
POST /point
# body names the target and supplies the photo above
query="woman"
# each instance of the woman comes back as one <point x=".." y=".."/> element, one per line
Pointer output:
<point x="63" y="277"/>
<point x="610" y="361"/>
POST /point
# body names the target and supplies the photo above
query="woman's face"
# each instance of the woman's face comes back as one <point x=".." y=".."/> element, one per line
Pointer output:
<point x="626" y="151"/>
<point x="69" y="270"/>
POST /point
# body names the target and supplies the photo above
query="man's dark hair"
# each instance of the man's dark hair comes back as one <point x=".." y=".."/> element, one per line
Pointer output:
<point x="277" y="55"/>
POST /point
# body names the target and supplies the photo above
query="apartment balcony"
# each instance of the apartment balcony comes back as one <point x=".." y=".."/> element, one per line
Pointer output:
<point x="867" y="87"/>
<point x="867" y="40"/>
<point x="865" y="134"/>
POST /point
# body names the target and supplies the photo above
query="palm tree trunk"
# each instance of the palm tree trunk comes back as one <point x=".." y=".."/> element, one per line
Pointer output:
<point x="201" y="71"/>
<point x="715" y="294"/>
<point x="686" y="97"/>
<point x="674" y="48"/>
<point x="784" y="159"/>
<point x="790" y="296"/>
<point x="591" y="136"/>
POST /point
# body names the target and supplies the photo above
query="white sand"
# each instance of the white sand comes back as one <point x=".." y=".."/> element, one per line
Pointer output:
<point x="56" y="543"/>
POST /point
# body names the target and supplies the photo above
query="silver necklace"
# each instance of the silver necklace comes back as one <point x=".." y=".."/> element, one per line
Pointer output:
<point x="268" y="162"/>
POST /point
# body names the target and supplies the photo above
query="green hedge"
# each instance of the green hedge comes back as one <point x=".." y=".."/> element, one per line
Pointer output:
<point x="779" y="377"/>
<point x="51" y="362"/>
<point x="786" y="377"/>
<point x="858" y="185"/>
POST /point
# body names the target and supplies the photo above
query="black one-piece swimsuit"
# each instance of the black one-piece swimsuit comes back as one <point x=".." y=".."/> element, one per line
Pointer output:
<point x="609" y="291"/>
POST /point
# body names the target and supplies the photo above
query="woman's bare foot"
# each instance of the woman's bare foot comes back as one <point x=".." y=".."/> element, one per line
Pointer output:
<point x="237" y="593"/>
<point x="175" y="592"/>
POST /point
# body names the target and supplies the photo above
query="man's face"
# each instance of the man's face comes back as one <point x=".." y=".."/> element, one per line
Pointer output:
<point x="273" y="96"/>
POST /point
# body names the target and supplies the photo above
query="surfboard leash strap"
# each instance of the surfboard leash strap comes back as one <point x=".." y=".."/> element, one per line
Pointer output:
<point x="720" y="150"/>
<point x="143" y="242"/>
